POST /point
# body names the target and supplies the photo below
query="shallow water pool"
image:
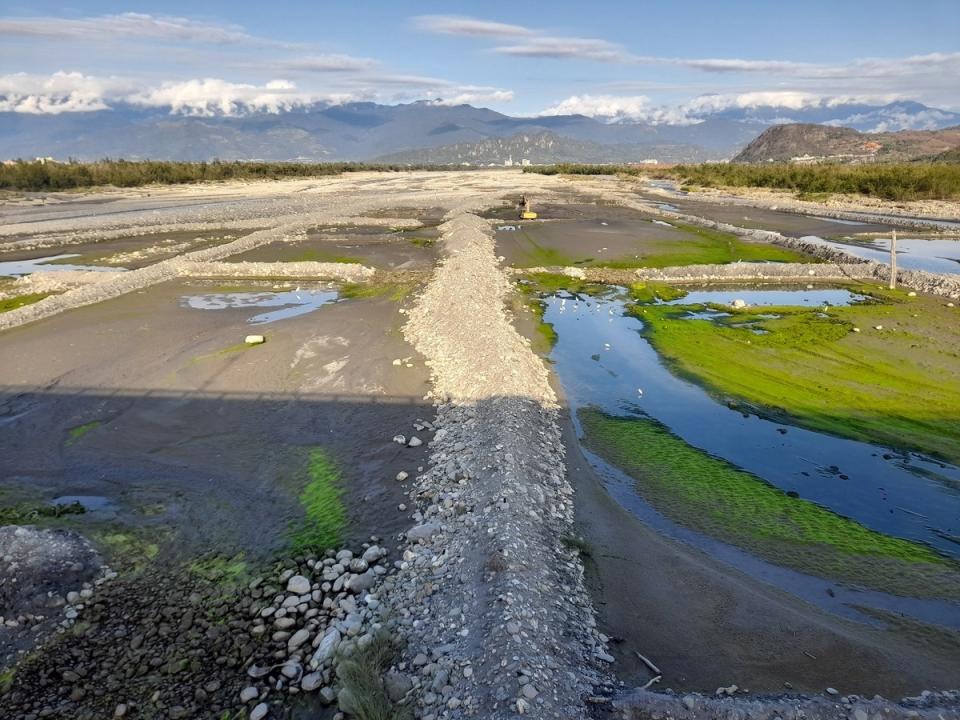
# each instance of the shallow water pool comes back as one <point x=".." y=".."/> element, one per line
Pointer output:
<point x="13" y="268"/>
<point x="603" y="361"/>
<point x="291" y="303"/>
<point x="939" y="255"/>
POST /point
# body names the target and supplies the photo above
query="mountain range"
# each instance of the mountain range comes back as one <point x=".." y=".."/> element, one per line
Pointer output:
<point x="423" y="131"/>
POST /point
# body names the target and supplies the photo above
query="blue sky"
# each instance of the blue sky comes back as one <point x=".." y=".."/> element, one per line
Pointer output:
<point x="654" y="60"/>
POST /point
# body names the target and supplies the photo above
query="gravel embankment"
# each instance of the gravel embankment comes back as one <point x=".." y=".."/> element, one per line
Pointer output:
<point x="733" y="272"/>
<point x="346" y="272"/>
<point x="124" y="282"/>
<point x="490" y="602"/>
<point x="201" y="261"/>
<point x="921" y="281"/>
<point x="919" y="214"/>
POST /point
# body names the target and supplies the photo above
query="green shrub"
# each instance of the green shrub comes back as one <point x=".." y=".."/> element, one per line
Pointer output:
<point x="24" y="175"/>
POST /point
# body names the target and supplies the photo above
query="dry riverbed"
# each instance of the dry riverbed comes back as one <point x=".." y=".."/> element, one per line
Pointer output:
<point x="382" y="507"/>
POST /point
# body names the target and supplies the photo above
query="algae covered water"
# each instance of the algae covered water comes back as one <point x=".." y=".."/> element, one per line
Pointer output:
<point x="603" y="361"/>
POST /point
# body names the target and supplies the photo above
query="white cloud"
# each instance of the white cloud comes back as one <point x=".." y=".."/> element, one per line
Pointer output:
<point x="58" y="93"/>
<point x="731" y="65"/>
<point x="476" y="96"/>
<point x="212" y="96"/>
<point x="74" y="92"/>
<point x="326" y="63"/>
<point x="787" y="99"/>
<point x="468" y="26"/>
<point x="893" y="119"/>
<point x="639" y="108"/>
<point x="568" y="48"/>
<point x="615" y="108"/>
<point x="123" y="26"/>
<point x="603" y="106"/>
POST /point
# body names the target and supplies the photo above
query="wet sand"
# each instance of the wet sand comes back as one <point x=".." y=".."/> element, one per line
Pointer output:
<point x="201" y="440"/>
<point x="580" y="234"/>
<point x="786" y="223"/>
<point x="130" y="252"/>
<point x="409" y="250"/>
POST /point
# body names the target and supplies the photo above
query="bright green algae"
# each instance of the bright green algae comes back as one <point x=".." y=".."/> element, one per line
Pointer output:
<point x="321" y="499"/>
<point x="898" y="386"/>
<point x="718" y="499"/>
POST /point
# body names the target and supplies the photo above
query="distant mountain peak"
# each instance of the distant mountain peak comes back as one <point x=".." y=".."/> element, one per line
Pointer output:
<point x="806" y="142"/>
<point x="366" y="130"/>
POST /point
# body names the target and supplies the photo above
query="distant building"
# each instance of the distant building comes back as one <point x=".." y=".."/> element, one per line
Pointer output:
<point x="508" y="162"/>
<point x="524" y="162"/>
<point x="650" y="161"/>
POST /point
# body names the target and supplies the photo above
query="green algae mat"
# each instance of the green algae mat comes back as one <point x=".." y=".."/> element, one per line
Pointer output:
<point x="692" y="245"/>
<point x="886" y="371"/>
<point x="718" y="499"/>
<point x="321" y="499"/>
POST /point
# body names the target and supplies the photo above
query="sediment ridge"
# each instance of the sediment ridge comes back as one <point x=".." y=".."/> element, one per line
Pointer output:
<point x="489" y="600"/>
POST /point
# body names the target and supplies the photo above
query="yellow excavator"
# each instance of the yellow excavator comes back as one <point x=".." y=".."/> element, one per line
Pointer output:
<point x="525" y="209"/>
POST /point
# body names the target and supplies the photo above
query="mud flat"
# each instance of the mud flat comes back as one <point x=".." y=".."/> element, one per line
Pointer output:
<point x="763" y="642"/>
<point x="192" y="426"/>
<point x="399" y="250"/>
<point x="620" y="237"/>
<point x="128" y="252"/>
<point x="791" y="224"/>
<point x="187" y="444"/>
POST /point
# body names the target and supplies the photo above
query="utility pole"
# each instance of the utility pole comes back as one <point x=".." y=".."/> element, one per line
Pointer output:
<point x="893" y="260"/>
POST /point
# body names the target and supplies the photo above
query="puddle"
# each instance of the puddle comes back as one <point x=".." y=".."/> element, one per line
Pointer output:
<point x="602" y="360"/>
<point x="668" y="207"/>
<point x="941" y="256"/>
<point x="669" y="186"/>
<point x="90" y="503"/>
<point x="799" y="298"/>
<point x="838" y="221"/>
<point x="937" y="222"/>
<point x="291" y="303"/>
<point x="26" y="267"/>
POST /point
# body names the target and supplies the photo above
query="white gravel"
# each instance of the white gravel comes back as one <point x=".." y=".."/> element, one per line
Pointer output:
<point x="492" y="605"/>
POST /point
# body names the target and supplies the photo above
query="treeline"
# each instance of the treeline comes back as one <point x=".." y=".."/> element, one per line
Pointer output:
<point x="38" y="175"/>
<point x="581" y="169"/>
<point x="913" y="181"/>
